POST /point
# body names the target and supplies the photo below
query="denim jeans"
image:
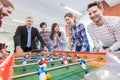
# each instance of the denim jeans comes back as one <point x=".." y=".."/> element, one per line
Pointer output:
<point x="48" y="47"/>
<point x="78" y="48"/>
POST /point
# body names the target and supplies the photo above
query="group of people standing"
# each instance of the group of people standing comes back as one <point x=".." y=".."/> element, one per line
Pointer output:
<point x="50" y="40"/>
<point x="103" y="29"/>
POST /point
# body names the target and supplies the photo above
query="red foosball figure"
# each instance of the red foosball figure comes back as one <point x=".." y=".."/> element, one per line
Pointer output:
<point x="65" y="62"/>
<point x="44" y="62"/>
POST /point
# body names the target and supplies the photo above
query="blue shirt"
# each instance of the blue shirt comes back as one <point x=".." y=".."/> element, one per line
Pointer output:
<point x="29" y="37"/>
<point x="78" y="36"/>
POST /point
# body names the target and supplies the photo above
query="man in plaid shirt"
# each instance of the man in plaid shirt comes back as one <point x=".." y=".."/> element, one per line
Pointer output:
<point x="46" y="36"/>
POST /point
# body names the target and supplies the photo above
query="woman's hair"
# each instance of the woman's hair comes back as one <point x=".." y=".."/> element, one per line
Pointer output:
<point x="71" y="16"/>
<point x="53" y="31"/>
<point x="7" y="3"/>
<point x="96" y="3"/>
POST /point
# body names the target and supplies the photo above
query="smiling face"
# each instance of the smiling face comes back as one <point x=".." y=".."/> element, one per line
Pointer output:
<point x="29" y="21"/>
<point x="56" y="28"/>
<point x="44" y="27"/>
<point x="95" y="11"/>
<point x="5" y="11"/>
<point x="95" y="14"/>
<point x="69" y="21"/>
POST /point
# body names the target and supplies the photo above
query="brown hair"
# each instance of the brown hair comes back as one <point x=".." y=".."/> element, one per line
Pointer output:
<point x="96" y="3"/>
<point x="53" y="32"/>
<point x="7" y="3"/>
<point x="28" y="17"/>
<point x="70" y="15"/>
<point x="42" y="24"/>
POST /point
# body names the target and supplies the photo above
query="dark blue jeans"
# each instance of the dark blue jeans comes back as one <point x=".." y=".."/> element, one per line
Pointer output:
<point x="78" y="48"/>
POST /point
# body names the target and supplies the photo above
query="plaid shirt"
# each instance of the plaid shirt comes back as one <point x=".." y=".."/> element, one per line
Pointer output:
<point x="46" y="37"/>
<point x="78" y="37"/>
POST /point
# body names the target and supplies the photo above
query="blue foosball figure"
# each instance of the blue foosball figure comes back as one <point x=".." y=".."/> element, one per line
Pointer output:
<point x="61" y="58"/>
<point x="52" y="59"/>
<point x="41" y="71"/>
<point x="82" y="63"/>
<point x="39" y="59"/>
<point x="24" y="61"/>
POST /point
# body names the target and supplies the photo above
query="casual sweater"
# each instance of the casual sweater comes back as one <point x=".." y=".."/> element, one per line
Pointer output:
<point x="108" y="34"/>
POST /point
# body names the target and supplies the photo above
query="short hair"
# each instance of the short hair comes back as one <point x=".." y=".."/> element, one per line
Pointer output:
<point x="42" y="24"/>
<point x="7" y="3"/>
<point x="28" y="17"/>
<point x="96" y="3"/>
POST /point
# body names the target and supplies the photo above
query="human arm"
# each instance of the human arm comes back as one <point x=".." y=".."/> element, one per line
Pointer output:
<point x="94" y="38"/>
<point x="116" y="34"/>
<point x="41" y="40"/>
<point x="72" y="44"/>
<point x="17" y="40"/>
<point x="62" y="38"/>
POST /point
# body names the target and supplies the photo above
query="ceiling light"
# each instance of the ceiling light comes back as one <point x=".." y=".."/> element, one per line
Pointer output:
<point x="70" y="9"/>
<point x="19" y="21"/>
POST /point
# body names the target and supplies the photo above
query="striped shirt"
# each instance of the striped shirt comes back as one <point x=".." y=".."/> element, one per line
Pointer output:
<point x="46" y="37"/>
<point x="78" y="37"/>
<point x="108" y="34"/>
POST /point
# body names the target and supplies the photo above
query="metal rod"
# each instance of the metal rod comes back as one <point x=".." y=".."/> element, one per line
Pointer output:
<point x="22" y="57"/>
<point x="59" y="67"/>
<point x="27" y="60"/>
<point x="35" y="63"/>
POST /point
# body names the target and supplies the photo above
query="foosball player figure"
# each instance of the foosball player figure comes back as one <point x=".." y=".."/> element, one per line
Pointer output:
<point x="83" y="65"/>
<point x="55" y="56"/>
<point x="65" y="62"/>
<point x="68" y="57"/>
<point x="48" y="55"/>
<point x="61" y="58"/>
<point x="52" y="59"/>
<point x="44" y="62"/>
<point x="24" y="62"/>
<point x="28" y="57"/>
<point x="42" y="55"/>
<point x="41" y="71"/>
<point x="39" y="59"/>
<point x="75" y="55"/>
